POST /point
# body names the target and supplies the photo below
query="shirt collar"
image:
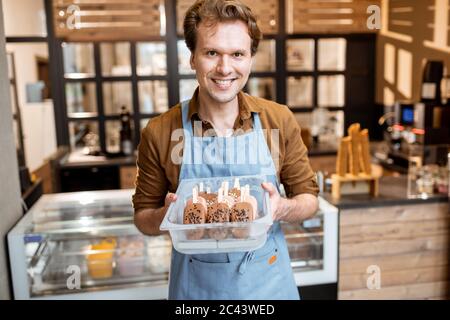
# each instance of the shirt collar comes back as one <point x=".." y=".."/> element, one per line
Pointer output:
<point x="247" y="105"/>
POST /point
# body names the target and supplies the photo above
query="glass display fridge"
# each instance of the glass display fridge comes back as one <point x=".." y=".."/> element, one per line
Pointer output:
<point x="84" y="245"/>
<point x="314" y="251"/>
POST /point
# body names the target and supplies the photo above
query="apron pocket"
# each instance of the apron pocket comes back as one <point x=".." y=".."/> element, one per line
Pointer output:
<point x="264" y="279"/>
<point x="258" y="278"/>
<point x="214" y="280"/>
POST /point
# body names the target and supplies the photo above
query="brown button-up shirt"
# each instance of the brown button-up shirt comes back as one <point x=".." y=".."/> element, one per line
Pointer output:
<point x="158" y="174"/>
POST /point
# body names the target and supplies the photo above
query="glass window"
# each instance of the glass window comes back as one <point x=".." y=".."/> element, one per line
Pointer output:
<point x="81" y="99"/>
<point x="115" y="95"/>
<point x="144" y="122"/>
<point x="332" y="54"/>
<point x="300" y="54"/>
<point x="78" y="60"/>
<point x="115" y="59"/>
<point x="331" y="91"/>
<point x="264" y="60"/>
<point x="262" y="87"/>
<point x="184" y="56"/>
<point x="24" y="18"/>
<point x="112" y="132"/>
<point x="187" y="88"/>
<point x="304" y="119"/>
<point x="300" y="91"/>
<point x="153" y="96"/>
<point x="151" y="58"/>
<point x="84" y="134"/>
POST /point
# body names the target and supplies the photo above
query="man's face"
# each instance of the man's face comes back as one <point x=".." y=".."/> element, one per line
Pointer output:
<point x="222" y="59"/>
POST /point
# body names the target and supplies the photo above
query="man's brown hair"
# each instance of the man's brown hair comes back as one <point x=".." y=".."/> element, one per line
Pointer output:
<point x="214" y="11"/>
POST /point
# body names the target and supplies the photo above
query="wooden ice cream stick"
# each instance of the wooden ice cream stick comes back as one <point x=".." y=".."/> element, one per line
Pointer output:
<point x="201" y="187"/>
<point x="225" y="188"/>
<point x="220" y="195"/>
<point x="236" y="184"/>
<point x="208" y="190"/>
<point x="195" y="195"/>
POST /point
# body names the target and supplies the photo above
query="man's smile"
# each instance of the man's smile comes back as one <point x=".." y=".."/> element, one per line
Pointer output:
<point x="223" y="83"/>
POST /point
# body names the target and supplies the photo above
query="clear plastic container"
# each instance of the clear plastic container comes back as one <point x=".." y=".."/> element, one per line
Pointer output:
<point x="218" y="237"/>
<point x="131" y="256"/>
<point x="159" y="249"/>
<point x="100" y="259"/>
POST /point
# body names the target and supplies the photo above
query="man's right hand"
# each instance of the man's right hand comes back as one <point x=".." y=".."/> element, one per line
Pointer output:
<point x="149" y="220"/>
<point x="170" y="197"/>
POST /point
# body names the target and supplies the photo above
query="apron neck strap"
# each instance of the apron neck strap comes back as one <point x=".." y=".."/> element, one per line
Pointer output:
<point x="187" y="124"/>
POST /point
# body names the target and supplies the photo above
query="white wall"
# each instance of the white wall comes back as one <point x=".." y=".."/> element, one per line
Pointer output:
<point x="37" y="118"/>
<point x="24" y="18"/>
<point x="26" y="67"/>
<point x="39" y="133"/>
<point x="10" y="210"/>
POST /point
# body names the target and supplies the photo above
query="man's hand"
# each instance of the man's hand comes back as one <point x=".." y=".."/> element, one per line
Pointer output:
<point x="149" y="220"/>
<point x="299" y="208"/>
<point x="274" y="197"/>
<point x="170" y="197"/>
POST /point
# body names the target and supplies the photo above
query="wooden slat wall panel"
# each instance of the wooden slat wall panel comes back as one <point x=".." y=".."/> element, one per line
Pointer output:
<point x="397" y="277"/>
<point x="410" y="245"/>
<point x="394" y="262"/>
<point x="437" y="290"/>
<point x="266" y="12"/>
<point x="371" y="216"/>
<point x="448" y="33"/>
<point x="396" y="246"/>
<point x="401" y="14"/>
<point x="363" y="233"/>
<point x="109" y="20"/>
<point x="182" y="7"/>
<point x="313" y="16"/>
<point x="428" y="17"/>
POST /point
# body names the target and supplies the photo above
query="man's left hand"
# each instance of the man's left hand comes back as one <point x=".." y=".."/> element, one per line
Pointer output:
<point x="298" y="208"/>
<point x="275" y="199"/>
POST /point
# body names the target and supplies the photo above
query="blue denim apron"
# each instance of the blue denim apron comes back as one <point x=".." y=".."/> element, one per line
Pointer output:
<point x="265" y="273"/>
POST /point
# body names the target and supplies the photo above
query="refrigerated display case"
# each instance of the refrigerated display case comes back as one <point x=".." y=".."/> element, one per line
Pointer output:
<point x="84" y="245"/>
<point x="313" y="248"/>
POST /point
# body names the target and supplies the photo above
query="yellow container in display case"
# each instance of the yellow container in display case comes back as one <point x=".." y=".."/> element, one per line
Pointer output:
<point x="100" y="260"/>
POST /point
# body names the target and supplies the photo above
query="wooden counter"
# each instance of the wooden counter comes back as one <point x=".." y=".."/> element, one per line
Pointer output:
<point x="407" y="239"/>
<point x="410" y="245"/>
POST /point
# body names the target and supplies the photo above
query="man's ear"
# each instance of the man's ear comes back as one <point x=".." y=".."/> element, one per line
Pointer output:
<point x="191" y="60"/>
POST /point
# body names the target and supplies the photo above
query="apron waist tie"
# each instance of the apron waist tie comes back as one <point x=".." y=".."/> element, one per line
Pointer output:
<point x="247" y="258"/>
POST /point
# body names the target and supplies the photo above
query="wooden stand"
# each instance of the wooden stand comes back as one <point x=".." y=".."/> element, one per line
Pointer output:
<point x="354" y="172"/>
<point x="354" y="184"/>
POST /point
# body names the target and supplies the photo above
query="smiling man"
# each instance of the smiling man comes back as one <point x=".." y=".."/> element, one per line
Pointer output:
<point x="223" y="37"/>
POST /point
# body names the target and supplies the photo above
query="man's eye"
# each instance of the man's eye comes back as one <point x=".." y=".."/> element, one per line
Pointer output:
<point x="211" y="53"/>
<point x="238" y="54"/>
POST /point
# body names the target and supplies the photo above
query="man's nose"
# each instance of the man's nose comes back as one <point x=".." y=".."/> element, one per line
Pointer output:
<point x="224" y="65"/>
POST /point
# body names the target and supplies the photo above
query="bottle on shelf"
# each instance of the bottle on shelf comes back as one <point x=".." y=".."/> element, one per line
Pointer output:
<point x="126" y="140"/>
